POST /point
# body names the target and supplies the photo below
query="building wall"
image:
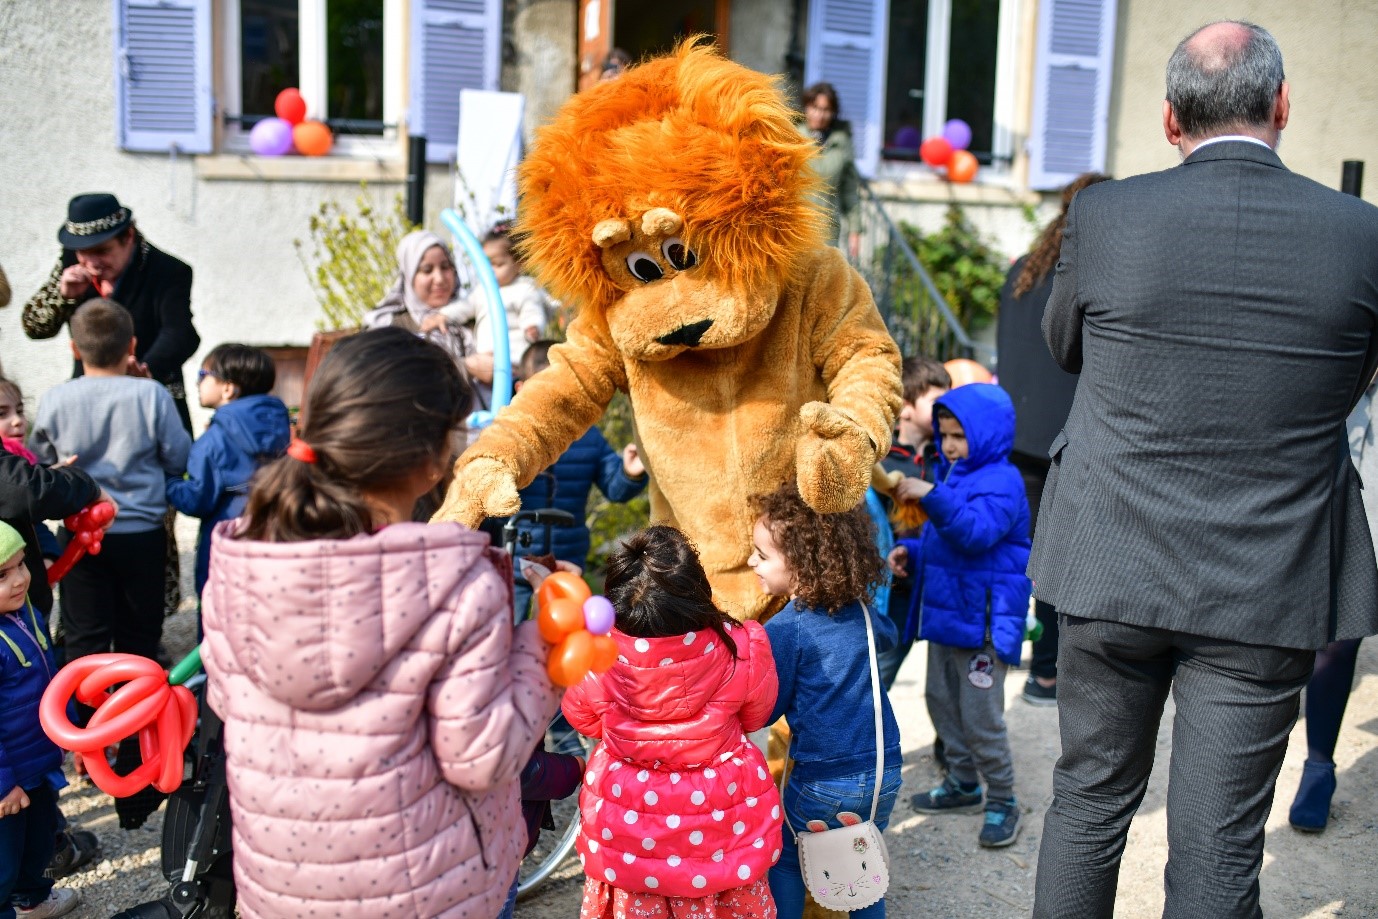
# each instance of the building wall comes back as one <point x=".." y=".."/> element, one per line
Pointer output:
<point x="1328" y="49"/>
<point x="760" y="34"/>
<point x="58" y="139"/>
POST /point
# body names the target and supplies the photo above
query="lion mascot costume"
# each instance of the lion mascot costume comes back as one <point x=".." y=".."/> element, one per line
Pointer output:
<point x="671" y="207"/>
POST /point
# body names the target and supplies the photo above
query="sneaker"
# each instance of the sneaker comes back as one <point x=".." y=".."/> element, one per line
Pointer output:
<point x="951" y="797"/>
<point x="1035" y="693"/>
<point x="75" y="849"/>
<point x="1002" y="823"/>
<point x="60" y="902"/>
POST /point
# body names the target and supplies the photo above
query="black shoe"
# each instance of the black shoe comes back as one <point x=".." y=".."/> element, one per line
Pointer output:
<point x="75" y="849"/>
<point x="1311" y="808"/>
<point x="1035" y="693"/>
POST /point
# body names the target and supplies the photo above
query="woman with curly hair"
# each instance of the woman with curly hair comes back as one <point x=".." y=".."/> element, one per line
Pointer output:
<point x="826" y="564"/>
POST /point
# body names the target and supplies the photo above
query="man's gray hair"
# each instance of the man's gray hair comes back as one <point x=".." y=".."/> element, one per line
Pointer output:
<point x="1224" y="87"/>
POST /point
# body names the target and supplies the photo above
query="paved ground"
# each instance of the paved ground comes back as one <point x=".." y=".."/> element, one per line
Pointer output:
<point x="937" y="868"/>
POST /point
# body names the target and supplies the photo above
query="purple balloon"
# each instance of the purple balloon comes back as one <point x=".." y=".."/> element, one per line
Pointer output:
<point x="908" y="138"/>
<point x="271" y="137"/>
<point x="599" y="615"/>
<point x="958" y="133"/>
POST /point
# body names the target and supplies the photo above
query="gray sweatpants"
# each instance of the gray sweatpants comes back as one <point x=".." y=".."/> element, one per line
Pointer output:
<point x="971" y="719"/>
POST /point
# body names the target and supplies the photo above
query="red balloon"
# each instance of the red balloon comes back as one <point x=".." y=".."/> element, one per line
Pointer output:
<point x="163" y="716"/>
<point x="962" y="167"/>
<point x="312" y="138"/>
<point x="290" y="106"/>
<point x="935" y="151"/>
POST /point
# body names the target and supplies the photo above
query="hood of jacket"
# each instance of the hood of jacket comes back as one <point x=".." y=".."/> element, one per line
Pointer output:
<point x="986" y="414"/>
<point x="257" y="425"/>
<point x="670" y="679"/>
<point x="307" y="621"/>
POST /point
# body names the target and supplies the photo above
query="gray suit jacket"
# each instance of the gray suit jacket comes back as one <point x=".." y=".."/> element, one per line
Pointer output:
<point x="1222" y="317"/>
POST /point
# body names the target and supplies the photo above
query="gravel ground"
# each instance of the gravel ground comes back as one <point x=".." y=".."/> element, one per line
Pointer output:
<point x="936" y="867"/>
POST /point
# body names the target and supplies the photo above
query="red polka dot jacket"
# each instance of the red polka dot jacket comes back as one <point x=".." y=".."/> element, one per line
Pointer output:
<point x="676" y="800"/>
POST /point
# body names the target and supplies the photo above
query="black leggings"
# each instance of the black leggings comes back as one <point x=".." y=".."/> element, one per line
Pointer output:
<point x="1326" y="697"/>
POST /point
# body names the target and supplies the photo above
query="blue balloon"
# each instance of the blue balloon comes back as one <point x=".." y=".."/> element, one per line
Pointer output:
<point x="958" y="133"/>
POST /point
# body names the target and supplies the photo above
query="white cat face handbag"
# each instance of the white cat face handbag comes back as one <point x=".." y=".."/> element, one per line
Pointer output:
<point x="848" y="868"/>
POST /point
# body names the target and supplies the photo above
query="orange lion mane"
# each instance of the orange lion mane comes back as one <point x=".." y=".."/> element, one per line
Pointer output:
<point x="691" y="131"/>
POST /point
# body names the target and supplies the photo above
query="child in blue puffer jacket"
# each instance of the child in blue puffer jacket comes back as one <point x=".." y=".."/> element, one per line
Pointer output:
<point x="971" y="600"/>
<point x="249" y="428"/>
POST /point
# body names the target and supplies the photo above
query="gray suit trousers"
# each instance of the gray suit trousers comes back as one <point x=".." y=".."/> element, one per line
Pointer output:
<point x="1236" y="705"/>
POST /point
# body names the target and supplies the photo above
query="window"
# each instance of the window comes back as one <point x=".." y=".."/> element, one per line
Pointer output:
<point x="941" y="63"/>
<point x="902" y="68"/>
<point x="344" y="55"/>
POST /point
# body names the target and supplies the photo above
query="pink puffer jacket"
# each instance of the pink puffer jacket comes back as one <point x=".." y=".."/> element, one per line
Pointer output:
<point x="676" y="800"/>
<point x="378" y="709"/>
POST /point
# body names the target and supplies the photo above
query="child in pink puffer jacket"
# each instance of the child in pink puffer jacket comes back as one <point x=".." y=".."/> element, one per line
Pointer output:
<point x="679" y="817"/>
<point x="378" y="703"/>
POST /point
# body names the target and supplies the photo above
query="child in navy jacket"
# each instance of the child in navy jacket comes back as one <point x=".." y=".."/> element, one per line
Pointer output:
<point x="30" y="763"/>
<point x="971" y="601"/>
<point x="249" y="429"/>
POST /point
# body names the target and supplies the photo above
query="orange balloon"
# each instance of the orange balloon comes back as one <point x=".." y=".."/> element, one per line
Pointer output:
<point x="569" y="661"/>
<point x="964" y="371"/>
<point x="312" y="138"/>
<point x="559" y="618"/>
<point x="962" y="167"/>
<point x="604" y="653"/>
<point x="562" y="584"/>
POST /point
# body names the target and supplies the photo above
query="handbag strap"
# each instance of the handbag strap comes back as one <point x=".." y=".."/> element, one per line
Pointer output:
<point x="875" y="704"/>
<point x="880" y="728"/>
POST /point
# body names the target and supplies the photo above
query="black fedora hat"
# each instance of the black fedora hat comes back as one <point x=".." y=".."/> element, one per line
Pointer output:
<point x="92" y="219"/>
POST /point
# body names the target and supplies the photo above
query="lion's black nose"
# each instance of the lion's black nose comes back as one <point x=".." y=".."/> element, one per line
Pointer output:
<point x="690" y="334"/>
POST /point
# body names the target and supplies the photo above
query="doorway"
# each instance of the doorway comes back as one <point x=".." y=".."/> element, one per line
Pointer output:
<point x="644" y="29"/>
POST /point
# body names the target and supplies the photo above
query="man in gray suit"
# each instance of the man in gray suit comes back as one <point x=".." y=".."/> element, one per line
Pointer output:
<point x="1201" y="529"/>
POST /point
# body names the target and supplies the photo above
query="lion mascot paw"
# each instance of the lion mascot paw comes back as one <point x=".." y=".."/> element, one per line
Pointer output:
<point x="488" y="489"/>
<point x="832" y="459"/>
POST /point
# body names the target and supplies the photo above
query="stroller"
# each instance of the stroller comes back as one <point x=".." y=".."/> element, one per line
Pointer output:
<point x="196" y="831"/>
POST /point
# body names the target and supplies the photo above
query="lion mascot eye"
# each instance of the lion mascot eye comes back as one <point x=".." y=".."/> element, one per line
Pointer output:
<point x="680" y="256"/>
<point x="643" y="267"/>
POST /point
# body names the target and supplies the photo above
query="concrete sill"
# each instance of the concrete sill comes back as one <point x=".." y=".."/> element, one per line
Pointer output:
<point x="233" y="167"/>
<point x="934" y="190"/>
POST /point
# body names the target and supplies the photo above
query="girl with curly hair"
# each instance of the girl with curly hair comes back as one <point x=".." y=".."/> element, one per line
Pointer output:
<point x="826" y="565"/>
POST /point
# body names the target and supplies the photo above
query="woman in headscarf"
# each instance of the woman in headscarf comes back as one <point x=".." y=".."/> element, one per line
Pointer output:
<point x="426" y="281"/>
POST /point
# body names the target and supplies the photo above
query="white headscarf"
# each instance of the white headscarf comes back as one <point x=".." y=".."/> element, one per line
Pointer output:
<point x="401" y="297"/>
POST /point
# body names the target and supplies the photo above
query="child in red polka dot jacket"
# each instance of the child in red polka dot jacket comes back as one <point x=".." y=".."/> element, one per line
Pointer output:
<point x="678" y="814"/>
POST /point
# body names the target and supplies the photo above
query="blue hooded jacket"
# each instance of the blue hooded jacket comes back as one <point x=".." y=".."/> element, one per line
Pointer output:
<point x="27" y="756"/>
<point x="589" y="461"/>
<point x="243" y="435"/>
<point x="970" y="559"/>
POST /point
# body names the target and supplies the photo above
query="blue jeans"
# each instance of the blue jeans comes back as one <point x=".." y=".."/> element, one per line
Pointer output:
<point x="26" y="847"/>
<point x="510" y="907"/>
<point x="824" y="800"/>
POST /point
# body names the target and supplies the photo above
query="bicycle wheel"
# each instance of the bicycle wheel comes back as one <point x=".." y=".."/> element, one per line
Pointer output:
<point x="555" y="846"/>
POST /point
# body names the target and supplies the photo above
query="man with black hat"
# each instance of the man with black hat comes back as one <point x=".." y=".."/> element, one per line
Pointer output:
<point x="104" y="255"/>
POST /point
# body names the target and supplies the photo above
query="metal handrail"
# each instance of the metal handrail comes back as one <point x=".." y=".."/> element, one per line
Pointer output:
<point x="917" y="314"/>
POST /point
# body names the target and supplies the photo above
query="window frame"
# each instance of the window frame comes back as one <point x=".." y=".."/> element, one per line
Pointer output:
<point x="936" y="69"/>
<point x="312" y="79"/>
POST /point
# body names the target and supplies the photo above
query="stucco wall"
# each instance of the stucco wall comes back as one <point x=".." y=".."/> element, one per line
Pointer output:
<point x="1328" y="48"/>
<point x="58" y="139"/>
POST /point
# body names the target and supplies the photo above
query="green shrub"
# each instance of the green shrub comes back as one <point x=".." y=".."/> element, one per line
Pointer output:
<point x="352" y="256"/>
<point x="967" y="271"/>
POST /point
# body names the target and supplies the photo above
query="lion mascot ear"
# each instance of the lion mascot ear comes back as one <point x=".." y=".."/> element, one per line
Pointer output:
<point x="675" y="208"/>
